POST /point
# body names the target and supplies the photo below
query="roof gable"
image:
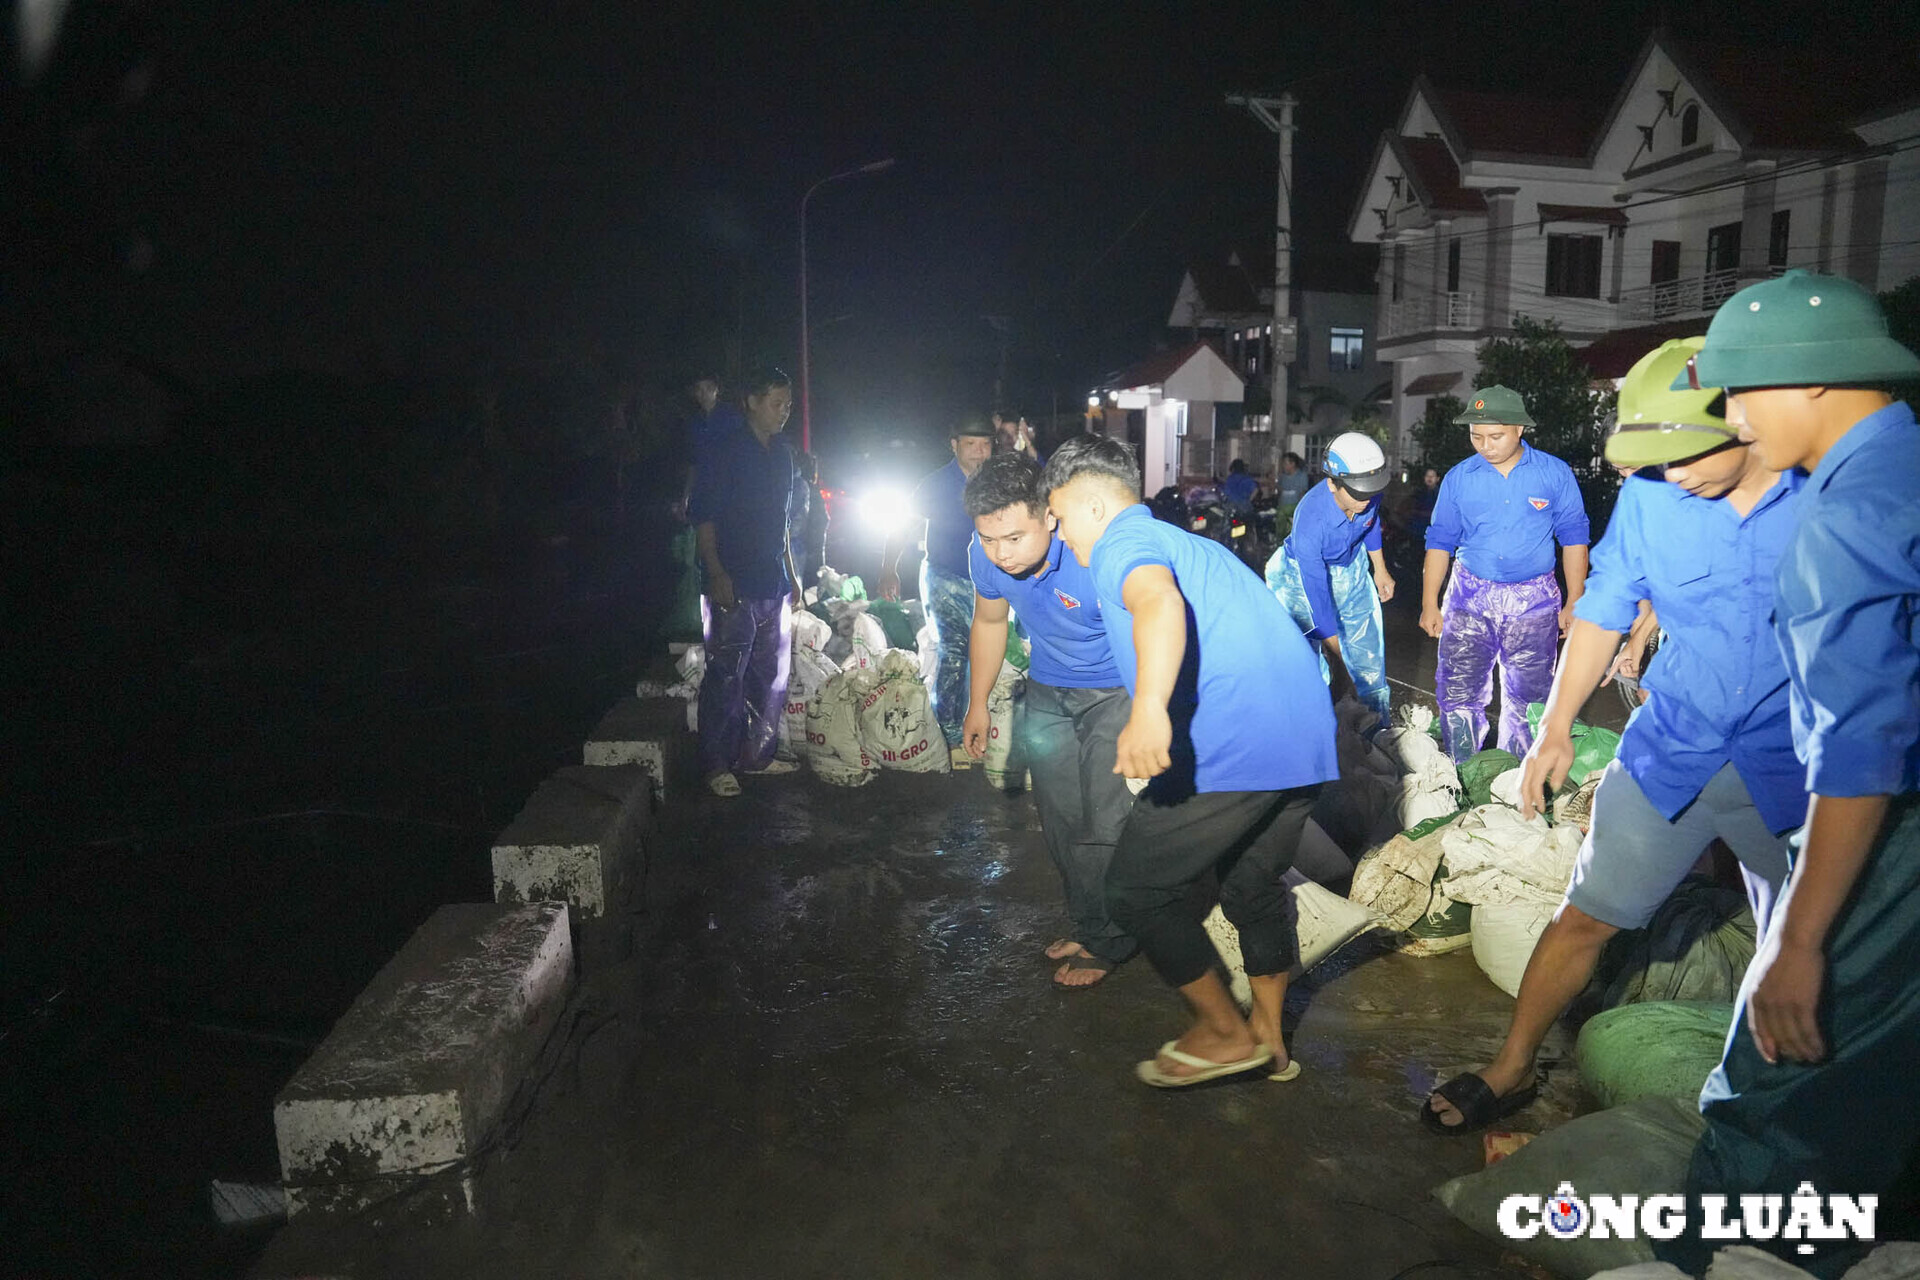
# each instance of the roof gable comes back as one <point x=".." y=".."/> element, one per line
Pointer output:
<point x="1192" y="372"/>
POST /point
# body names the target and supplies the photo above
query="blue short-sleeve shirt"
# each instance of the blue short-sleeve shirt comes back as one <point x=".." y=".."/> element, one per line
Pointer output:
<point x="745" y="490"/>
<point x="1323" y="537"/>
<point x="1250" y="711"/>
<point x="1060" y="610"/>
<point x="1719" y="685"/>
<point x="1503" y="527"/>
<point x="949" y="527"/>
<point x="1847" y="612"/>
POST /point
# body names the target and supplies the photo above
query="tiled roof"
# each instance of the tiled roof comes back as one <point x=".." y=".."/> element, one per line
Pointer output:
<point x="1438" y="177"/>
<point x="1797" y="99"/>
<point x="1513" y="125"/>
<point x="1612" y="354"/>
<point x="1156" y="369"/>
<point x="1226" y="288"/>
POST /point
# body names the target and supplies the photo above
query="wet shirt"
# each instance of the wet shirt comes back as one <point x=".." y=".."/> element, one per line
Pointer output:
<point x="1322" y="538"/>
<point x="745" y="490"/>
<point x="949" y="527"/>
<point x="1060" y="610"/>
<point x="1846" y="609"/>
<point x="1503" y="527"/>
<point x="1718" y="682"/>
<point x="1250" y="711"/>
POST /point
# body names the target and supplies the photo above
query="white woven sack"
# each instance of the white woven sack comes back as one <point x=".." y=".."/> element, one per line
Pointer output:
<point x="897" y="727"/>
<point x="1000" y="764"/>
<point x="834" y="750"/>
<point x="1326" y="922"/>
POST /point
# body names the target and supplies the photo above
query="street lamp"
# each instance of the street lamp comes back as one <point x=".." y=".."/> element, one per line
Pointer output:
<point x="806" y="373"/>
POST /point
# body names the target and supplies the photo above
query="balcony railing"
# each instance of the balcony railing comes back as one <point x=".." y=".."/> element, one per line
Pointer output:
<point x="1690" y="295"/>
<point x="1425" y="313"/>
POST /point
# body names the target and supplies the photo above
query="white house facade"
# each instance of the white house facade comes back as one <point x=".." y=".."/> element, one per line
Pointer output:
<point x="1710" y="169"/>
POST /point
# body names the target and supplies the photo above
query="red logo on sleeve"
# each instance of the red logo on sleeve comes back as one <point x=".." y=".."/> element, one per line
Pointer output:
<point x="1539" y="504"/>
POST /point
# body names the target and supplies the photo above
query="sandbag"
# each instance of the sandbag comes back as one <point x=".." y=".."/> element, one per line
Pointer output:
<point x="928" y="646"/>
<point x="1663" y="1049"/>
<point x="1445" y="926"/>
<point x="1360" y="809"/>
<point x="692" y="666"/>
<point x="1504" y="934"/>
<point x="1003" y="767"/>
<point x="834" y="749"/>
<point x="892" y="617"/>
<point x="868" y="640"/>
<point x="1697" y="947"/>
<point x="1395" y="880"/>
<point x="811" y="633"/>
<point x="1480" y="769"/>
<point x="1318" y="858"/>
<point x="1496" y="856"/>
<point x="897" y="727"/>
<point x="1895" y="1260"/>
<point x="1640" y="1149"/>
<point x="809" y="672"/>
<point x="1325" y="921"/>
<point x="1593" y="747"/>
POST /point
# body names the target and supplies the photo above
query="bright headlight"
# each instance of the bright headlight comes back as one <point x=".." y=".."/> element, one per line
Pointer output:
<point x="886" y="510"/>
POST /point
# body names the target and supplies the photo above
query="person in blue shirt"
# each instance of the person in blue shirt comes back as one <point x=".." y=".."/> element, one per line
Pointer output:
<point x="1241" y="486"/>
<point x="1332" y="576"/>
<point x="1499" y="513"/>
<point x="1816" y="1082"/>
<point x="1711" y="756"/>
<point x="946" y="587"/>
<point x="1294" y="481"/>
<point x="740" y="506"/>
<point x="1069" y="720"/>
<point x="1231" y="725"/>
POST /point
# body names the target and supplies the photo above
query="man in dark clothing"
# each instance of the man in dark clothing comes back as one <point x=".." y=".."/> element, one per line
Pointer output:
<point x="742" y="498"/>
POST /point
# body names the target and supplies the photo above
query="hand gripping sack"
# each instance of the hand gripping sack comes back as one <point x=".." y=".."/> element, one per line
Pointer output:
<point x="896" y="718"/>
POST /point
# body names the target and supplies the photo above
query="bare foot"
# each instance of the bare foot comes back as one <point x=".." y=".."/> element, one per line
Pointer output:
<point x="1500" y="1080"/>
<point x="1202" y="1043"/>
<point x="1268" y="1033"/>
<point x="1065" y="948"/>
<point x="1082" y="970"/>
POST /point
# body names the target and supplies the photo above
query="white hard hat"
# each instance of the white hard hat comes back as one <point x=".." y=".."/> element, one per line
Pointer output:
<point x="1357" y="463"/>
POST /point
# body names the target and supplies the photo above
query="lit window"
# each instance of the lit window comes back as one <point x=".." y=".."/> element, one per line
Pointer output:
<point x="1344" y="351"/>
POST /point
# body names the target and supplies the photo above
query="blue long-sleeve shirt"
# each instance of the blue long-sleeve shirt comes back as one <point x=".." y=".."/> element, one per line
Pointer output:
<point x="949" y="527"/>
<point x="1719" y="685"/>
<point x="1323" y="537"/>
<point x="1847" y="612"/>
<point x="745" y="490"/>
<point x="1503" y="527"/>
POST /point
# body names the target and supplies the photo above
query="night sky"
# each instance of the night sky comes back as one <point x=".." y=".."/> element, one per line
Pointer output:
<point x="339" y="185"/>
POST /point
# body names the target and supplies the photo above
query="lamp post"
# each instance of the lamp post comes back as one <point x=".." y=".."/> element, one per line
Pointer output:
<point x="806" y="372"/>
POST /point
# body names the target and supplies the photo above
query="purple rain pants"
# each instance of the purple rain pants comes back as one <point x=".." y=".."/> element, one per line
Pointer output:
<point x="744" y="690"/>
<point x="1514" y="624"/>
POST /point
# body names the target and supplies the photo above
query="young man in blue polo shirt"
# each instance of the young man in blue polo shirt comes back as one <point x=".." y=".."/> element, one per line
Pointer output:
<point x="1711" y="755"/>
<point x="1069" y="721"/>
<point x="1499" y="513"/>
<point x="1817" y="1081"/>
<point x="1332" y="576"/>
<point x="945" y="585"/>
<point x="742" y="495"/>
<point x="1231" y="723"/>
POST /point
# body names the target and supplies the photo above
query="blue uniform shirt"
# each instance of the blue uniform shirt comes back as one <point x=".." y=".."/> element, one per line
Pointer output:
<point x="1322" y="538"/>
<point x="1060" y="610"/>
<point x="1718" y="683"/>
<point x="1503" y="527"/>
<point x="746" y="490"/>
<point x="1847" y="607"/>
<point x="949" y="527"/>
<point x="1241" y="487"/>
<point x="1250" y="711"/>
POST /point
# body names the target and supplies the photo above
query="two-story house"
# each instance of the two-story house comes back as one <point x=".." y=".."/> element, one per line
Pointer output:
<point x="1632" y="221"/>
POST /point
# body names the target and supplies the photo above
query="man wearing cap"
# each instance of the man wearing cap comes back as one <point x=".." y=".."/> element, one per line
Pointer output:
<point x="1816" y="1083"/>
<point x="1500" y="512"/>
<point x="1331" y="588"/>
<point x="1711" y="755"/>
<point x="1069" y="721"/>
<point x="946" y="587"/>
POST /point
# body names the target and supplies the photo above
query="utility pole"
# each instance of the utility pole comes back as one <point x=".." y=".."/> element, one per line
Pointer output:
<point x="1277" y="115"/>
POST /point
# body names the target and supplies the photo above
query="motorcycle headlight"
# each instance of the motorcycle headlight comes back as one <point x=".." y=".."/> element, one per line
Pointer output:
<point x="886" y="510"/>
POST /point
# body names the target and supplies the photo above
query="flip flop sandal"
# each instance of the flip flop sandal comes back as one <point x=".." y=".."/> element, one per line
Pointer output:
<point x="1289" y="1072"/>
<point x="1089" y="962"/>
<point x="1150" y="1072"/>
<point x="1474" y="1099"/>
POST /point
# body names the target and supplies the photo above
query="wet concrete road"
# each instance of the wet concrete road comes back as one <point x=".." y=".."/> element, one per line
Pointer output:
<point x="837" y="1053"/>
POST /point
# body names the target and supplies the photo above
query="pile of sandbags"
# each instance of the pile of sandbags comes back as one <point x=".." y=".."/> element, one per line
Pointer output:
<point x="1697" y="947"/>
<point x="1005" y="767"/>
<point x="808" y="674"/>
<point x="1514" y="871"/>
<point x="1429" y="784"/>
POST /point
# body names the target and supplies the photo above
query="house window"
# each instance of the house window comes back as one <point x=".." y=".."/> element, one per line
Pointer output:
<point x="1690" y="125"/>
<point x="1666" y="261"/>
<point x="1723" y="247"/>
<point x="1344" y="352"/>
<point x="1453" y="265"/>
<point x="1777" y="238"/>
<point x="1573" y="266"/>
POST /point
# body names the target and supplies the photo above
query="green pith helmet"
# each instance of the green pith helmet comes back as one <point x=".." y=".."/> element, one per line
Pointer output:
<point x="1660" y="424"/>
<point x="1799" y="330"/>
<point x="1496" y="404"/>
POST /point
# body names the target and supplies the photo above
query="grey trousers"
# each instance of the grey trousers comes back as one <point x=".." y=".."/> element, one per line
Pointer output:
<point x="1070" y="737"/>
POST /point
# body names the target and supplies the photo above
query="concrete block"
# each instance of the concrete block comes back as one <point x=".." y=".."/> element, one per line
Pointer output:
<point x="414" y="1078"/>
<point x="577" y="840"/>
<point x="642" y="731"/>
